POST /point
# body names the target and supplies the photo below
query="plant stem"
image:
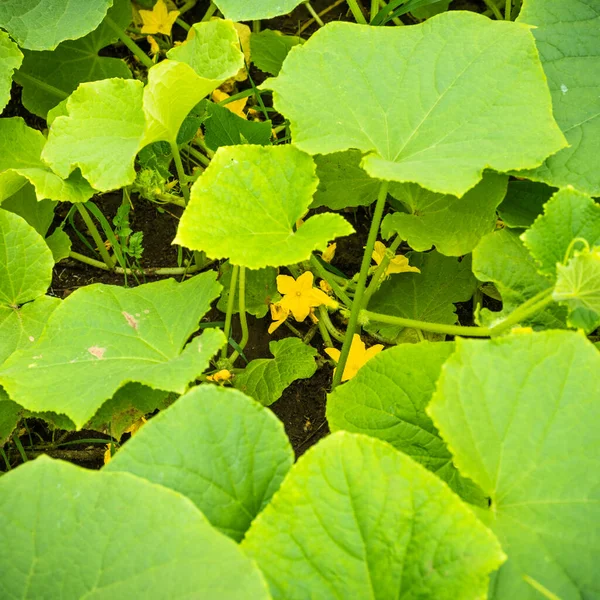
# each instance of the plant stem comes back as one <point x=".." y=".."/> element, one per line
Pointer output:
<point x="209" y="12"/>
<point x="256" y="26"/>
<point x="362" y="280"/>
<point x="135" y="49"/>
<point x="380" y="271"/>
<point x="93" y="230"/>
<point x="492" y="6"/>
<point x="180" y="172"/>
<point x="321" y="14"/>
<point x="356" y="12"/>
<point x="508" y="10"/>
<point x="187" y="6"/>
<point x="331" y="328"/>
<point x="197" y="155"/>
<point x="374" y="8"/>
<point x="323" y="329"/>
<point x="323" y="274"/>
<point x="182" y="24"/>
<point x="395" y="20"/>
<point x="243" y="316"/>
<point x="524" y="311"/>
<point x="314" y="14"/>
<point x="230" y="303"/>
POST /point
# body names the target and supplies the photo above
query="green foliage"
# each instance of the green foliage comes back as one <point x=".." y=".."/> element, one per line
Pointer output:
<point x="269" y="48"/>
<point x="255" y="10"/>
<point x="265" y="379"/>
<point x="523" y="203"/>
<point x="10" y="59"/>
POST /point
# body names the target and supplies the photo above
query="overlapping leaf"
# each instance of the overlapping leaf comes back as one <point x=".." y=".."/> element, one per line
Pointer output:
<point x="269" y="49"/>
<point x="523" y="203"/>
<point x="255" y="10"/>
<point x="520" y="415"/>
<point x="433" y="104"/>
<point x="10" y="59"/>
<point x="219" y="448"/>
<point x="245" y="205"/>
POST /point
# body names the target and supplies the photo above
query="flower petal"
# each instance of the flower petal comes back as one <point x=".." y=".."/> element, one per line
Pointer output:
<point x="333" y="353"/>
<point x="286" y="284"/>
<point x="305" y="281"/>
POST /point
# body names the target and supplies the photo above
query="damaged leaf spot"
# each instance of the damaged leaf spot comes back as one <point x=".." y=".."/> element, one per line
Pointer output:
<point x="131" y="320"/>
<point x="97" y="351"/>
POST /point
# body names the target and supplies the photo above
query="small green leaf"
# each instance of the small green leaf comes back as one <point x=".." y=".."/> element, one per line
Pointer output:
<point x="131" y="548"/>
<point x="10" y="59"/>
<point x="567" y="215"/>
<point x="434" y="104"/>
<point x="255" y="10"/>
<point x="246" y="203"/>
<point x="60" y="244"/>
<point x="520" y="414"/>
<point x="38" y="213"/>
<point x="225" y="452"/>
<point x="523" y="203"/>
<point x="453" y="225"/>
<point x="265" y="379"/>
<point x="355" y="518"/>
<point x="43" y="24"/>
<point x="269" y="48"/>
<point x="137" y="334"/>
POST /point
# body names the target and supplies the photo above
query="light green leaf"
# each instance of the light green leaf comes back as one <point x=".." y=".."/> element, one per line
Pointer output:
<point x="566" y="33"/>
<point x="49" y="76"/>
<point x="10" y="415"/>
<point x="43" y="24"/>
<point x="137" y="334"/>
<point x="38" y="213"/>
<point x="246" y="203"/>
<point x="453" y="225"/>
<point x="265" y="378"/>
<point x="567" y="215"/>
<point x="502" y="258"/>
<point x="60" y="244"/>
<point x="342" y="182"/>
<point x="434" y="104"/>
<point x="435" y="7"/>
<point x="426" y="296"/>
<point x="255" y="10"/>
<point x="225" y="452"/>
<point x="261" y="289"/>
<point x="387" y="400"/>
<point x="523" y="203"/>
<point x="131" y="548"/>
<point x="268" y="49"/>
<point x="101" y="134"/>
<point x="10" y="59"/>
<point x="521" y="414"/>
<point x="578" y="287"/>
<point x="20" y="162"/>
<point x="355" y="518"/>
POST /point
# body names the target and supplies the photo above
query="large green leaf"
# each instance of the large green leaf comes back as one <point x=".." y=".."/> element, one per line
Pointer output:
<point x="387" y="399"/>
<point x="426" y="296"/>
<point x="521" y="415"/>
<point x="43" y="24"/>
<point x="255" y="10"/>
<point x="245" y="205"/>
<point x="355" y="518"/>
<point x="434" y="103"/>
<point x="50" y="76"/>
<point x="10" y="59"/>
<point x="217" y="447"/>
<point x="136" y="334"/>
<point x="567" y="215"/>
<point x="138" y="540"/>
<point x="10" y="414"/>
<point x="453" y="225"/>
<point x="268" y="49"/>
<point x="566" y="33"/>
<point x="265" y="379"/>
<point x="20" y="161"/>
<point x="523" y="203"/>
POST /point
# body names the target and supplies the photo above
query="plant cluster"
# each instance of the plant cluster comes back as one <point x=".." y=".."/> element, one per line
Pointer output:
<point x="463" y="458"/>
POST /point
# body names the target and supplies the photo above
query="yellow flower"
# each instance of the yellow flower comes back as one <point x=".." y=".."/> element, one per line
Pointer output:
<point x="107" y="454"/>
<point x="329" y="253"/>
<point x="299" y="295"/>
<point x="236" y="107"/>
<point x="154" y="48"/>
<point x="221" y="376"/>
<point x="358" y="356"/>
<point x="159" y="19"/>
<point x="279" y="314"/>
<point x="398" y="264"/>
<point x="135" y="427"/>
<point x="325" y="287"/>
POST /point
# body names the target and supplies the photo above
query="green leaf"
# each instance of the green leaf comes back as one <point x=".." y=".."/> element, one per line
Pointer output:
<point x="578" y="287"/>
<point x="225" y="220"/>
<point x="131" y="549"/>
<point x="20" y="162"/>
<point x="10" y="415"/>
<point x="261" y="289"/>
<point x="387" y="399"/>
<point x="38" y="213"/>
<point x="566" y="33"/>
<point x="523" y="203"/>
<point x="567" y="215"/>
<point x="426" y="296"/>
<point x="453" y="225"/>
<point x="434" y="104"/>
<point x="224" y="128"/>
<point x="520" y="414"/>
<point x="43" y="24"/>
<point x="10" y="59"/>
<point x="137" y="334"/>
<point x="430" y="8"/>
<point x="60" y="244"/>
<point x="225" y="452"/>
<point x="50" y="76"/>
<point x="342" y="182"/>
<point x="502" y="258"/>
<point x="101" y="134"/>
<point x="265" y="378"/>
<point x="269" y="48"/>
<point x="355" y="518"/>
<point x="255" y="10"/>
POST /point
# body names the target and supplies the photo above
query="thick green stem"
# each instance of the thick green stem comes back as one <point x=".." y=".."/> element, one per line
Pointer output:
<point x="324" y="332"/>
<point x="193" y="153"/>
<point x="210" y="12"/>
<point x="91" y="226"/>
<point x="180" y="172"/>
<point x="182" y="24"/>
<point x="324" y="274"/>
<point x="314" y="14"/>
<point x="374" y="8"/>
<point x="490" y="4"/>
<point x="243" y="316"/>
<point x="361" y="284"/>
<point x="331" y="328"/>
<point x="381" y="269"/>
<point x="230" y="304"/>
<point x="187" y="6"/>
<point x="508" y="10"/>
<point x="135" y="49"/>
<point x="523" y="312"/>
<point x="356" y="12"/>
